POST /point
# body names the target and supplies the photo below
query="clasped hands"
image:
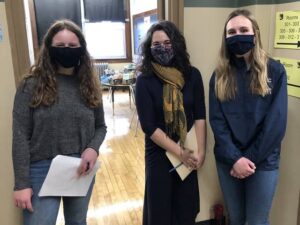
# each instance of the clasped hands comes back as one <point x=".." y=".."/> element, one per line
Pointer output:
<point x="242" y="168"/>
<point x="191" y="160"/>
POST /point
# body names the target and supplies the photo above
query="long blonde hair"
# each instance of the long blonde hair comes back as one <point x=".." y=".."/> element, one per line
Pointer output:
<point x="45" y="69"/>
<point x="225" y="85"/>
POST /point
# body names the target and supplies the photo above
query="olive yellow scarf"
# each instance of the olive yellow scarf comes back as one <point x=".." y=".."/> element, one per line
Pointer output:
<point x="175" y="119"/>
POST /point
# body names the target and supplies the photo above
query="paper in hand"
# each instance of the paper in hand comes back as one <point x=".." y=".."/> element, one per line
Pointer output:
<point x="191" y="144"/>
<point x="62" y="178"/>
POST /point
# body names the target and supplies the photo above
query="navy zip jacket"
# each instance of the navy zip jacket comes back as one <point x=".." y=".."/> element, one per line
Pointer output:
<point x="250" y="125"/>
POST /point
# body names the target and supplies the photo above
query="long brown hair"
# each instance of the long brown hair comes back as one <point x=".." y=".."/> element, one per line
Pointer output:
<point x="225" y="85"/>
<point x="45" y="69"/>
<point x="181" y="56"/>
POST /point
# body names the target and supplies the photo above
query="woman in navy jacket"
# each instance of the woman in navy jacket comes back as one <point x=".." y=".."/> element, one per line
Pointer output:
<point x="248" y="112"/>
<point x="169" y="100"/>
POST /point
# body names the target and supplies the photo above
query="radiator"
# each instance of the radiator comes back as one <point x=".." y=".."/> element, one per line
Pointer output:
<point x="100" y="67"/>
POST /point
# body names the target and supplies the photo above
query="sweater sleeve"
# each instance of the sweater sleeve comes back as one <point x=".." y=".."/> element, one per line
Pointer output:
<point x="100" y="129"/>
<point x="225" y="149"/>
<point x="145" y="106"/>
<point x="22" y="130"/>
<point x="274" y="125"/>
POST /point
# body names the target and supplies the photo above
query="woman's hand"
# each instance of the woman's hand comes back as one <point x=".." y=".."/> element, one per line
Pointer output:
<point x="196" y="161"/>
<point x="200" y="160"/>
<point x="22" y="199"/>
<point x="188" y="158"/>
<point x="242" y="168"/>
<point x="88" y="160"/>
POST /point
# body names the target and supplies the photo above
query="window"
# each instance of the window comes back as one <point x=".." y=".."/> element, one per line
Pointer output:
<point x="105" y="27"/>
<point x="106" y="40"/>
<point x="104" y="23"/>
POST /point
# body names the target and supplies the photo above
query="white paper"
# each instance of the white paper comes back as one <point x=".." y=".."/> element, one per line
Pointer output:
<point x="191" y="144"/>
<point x="63" y="180"/>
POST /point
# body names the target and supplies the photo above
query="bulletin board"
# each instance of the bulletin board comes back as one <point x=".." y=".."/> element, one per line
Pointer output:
<point x="141" y="23"/>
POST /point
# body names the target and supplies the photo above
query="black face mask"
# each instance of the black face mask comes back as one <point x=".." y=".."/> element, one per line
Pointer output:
<point x="65" y="56"/>
<point x="240" y="44"/>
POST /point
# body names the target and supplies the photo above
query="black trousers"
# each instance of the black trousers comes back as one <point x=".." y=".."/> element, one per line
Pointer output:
<point x="168" y="199"/>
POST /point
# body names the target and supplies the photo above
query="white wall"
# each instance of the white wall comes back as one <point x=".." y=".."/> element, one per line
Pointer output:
<point x="28" y="31"/>
<point x="139" y="6"/>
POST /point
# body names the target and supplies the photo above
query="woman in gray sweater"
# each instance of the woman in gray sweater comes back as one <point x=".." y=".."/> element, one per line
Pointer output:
<point x="57" y="111"/>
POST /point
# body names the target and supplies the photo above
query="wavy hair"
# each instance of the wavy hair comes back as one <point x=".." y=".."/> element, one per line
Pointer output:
<point x="45" y="69"/>
<point x="225" y="85"/>
<point x="181" y="59"/>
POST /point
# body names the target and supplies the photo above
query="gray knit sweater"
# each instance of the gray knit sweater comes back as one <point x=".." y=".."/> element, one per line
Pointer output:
<point x="68" y="126"/>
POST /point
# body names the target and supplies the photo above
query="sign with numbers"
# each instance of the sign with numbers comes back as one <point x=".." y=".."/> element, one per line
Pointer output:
<point x="292" y="67"/>
<point x="287" y="34"/>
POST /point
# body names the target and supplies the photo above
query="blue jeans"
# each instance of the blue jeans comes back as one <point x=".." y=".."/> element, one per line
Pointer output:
<point x="46" y="208"/>
<point x="250" y="199"/>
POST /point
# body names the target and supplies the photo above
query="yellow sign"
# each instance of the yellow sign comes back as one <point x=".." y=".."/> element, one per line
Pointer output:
<point x="287" y="34"/>
<point x="292" y="67"/>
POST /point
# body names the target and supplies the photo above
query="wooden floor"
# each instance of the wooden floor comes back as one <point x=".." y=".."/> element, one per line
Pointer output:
<point x="117" y="197"/>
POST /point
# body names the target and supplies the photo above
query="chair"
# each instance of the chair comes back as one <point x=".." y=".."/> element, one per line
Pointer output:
<point x="132" y="90"/>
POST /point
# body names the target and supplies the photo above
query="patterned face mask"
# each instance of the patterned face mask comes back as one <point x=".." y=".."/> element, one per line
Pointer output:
<point x="162" y="55"/>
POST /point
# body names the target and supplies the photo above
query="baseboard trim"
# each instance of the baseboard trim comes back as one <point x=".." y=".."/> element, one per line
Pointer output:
<point x="205" y="222"/>
<point x="211" y="222"/>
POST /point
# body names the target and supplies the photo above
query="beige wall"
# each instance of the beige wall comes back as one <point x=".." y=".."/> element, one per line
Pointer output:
<point x="203" y="30"/>
<point x="286" y="202"/>
<point x="9" y="215"/>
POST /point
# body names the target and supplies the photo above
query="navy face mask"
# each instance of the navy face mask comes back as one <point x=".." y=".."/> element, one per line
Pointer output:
<point x="162" y="55"/>
<point x="240" y="44"/>
<point x="65" y="56"/>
